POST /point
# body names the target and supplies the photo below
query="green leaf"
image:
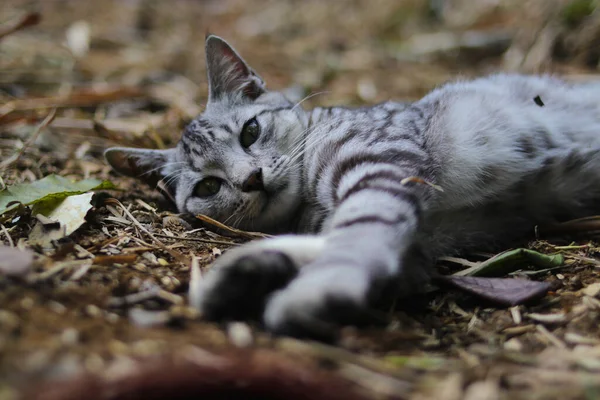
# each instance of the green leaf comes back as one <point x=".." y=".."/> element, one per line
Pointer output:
<point x="425" y="363"/>
<point x="512" y="260"/>
<point x="48" y="192"/>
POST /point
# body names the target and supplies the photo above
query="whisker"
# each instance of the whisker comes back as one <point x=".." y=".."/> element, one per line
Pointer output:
<point x="169" y="164"/>
<point x="309" y="97"/>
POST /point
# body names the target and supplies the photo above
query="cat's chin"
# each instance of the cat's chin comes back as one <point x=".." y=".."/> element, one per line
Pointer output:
<point x="276" y="212"/>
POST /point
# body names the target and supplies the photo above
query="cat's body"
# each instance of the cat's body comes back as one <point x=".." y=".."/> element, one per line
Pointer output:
<point x="508" y="152"/>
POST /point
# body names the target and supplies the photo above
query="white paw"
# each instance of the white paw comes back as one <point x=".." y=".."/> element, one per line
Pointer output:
<point x="319" y="301"/>
<point x="237" y="285"/>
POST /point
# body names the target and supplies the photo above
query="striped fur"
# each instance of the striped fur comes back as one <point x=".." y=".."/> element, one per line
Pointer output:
<point x="510" y="152"/>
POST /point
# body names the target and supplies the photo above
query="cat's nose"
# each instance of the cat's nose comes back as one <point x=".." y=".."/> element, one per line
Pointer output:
<point x="254" y="182"/>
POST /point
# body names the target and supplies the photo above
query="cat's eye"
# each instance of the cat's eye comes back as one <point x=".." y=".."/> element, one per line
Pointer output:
<point x="207" y="187"/>
<point x="250" y="133"/>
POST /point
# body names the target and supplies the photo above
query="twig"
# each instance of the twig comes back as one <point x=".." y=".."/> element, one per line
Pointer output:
<point x="28" y="20"/>
<point x="7" y="234"/>
<point x="581" y="225"/>
<point x="80" y="98"/>
<point x="583" y="246"/>
<point x="80" y="272"/>
<point x="234" y="231"/>
<point x="178" y="256"/>
<point x="59" y="267"/>
<point x="195" y="287"/>
<point x="134" y="298"/>
<point x="416" y="179"/>
<point x="15" y="157"/>
<point x="221" y="242"/>
<point x="550" y="337"/>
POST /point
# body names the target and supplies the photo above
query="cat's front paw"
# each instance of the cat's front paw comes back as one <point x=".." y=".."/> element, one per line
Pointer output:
<point x="317" y="303"/>
<point x="237" y="290"/>
<point x="237" y="286"/>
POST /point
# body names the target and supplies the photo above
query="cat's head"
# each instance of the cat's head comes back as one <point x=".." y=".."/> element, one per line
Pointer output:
<point x="236" y="162"/>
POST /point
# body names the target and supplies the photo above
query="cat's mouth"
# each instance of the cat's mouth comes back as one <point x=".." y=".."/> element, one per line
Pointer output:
<point x="268" y="198"/>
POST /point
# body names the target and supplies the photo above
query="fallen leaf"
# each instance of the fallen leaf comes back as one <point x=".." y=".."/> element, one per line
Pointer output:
<point x="71" y="212"/>
<point x="512" y="260"/>
<point x="45" y="231"/>
<point x="15" y="262"/>
<point x="505" y="291"/>
<point x="61" y="220"/>
<point x="46" y="193"/>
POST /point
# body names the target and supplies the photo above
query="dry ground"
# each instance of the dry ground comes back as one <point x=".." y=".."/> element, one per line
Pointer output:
<point x="115" y="292"/>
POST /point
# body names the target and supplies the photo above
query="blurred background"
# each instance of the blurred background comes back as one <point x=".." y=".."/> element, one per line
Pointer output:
<point x="132" y="72"/>
<point x="359" y="50"/>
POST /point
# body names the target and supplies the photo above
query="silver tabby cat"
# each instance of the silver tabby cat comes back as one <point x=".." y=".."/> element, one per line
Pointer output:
<point x="360" y="188"/>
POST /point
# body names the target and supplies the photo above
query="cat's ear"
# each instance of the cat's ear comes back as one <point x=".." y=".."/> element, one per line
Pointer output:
<point x="143" y="164"/>
<point x="228" y="73"/>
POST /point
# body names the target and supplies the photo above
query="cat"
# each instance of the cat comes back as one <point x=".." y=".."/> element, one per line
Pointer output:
<point x="367" y="198"/>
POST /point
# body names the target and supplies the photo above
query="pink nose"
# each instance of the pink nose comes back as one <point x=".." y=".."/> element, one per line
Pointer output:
<point x="254" y="182"/>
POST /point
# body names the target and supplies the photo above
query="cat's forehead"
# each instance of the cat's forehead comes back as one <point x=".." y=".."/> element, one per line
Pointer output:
<point x="209" y="137"/>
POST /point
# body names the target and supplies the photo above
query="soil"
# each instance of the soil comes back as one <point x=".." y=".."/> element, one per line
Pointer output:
<point x="103" y="312"/>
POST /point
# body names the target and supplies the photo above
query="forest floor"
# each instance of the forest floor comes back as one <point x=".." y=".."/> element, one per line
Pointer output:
<point x="103" y="313"/>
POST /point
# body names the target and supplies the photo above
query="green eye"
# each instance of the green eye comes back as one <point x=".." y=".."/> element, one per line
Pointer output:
<point x="207" y="187"/>
<point x="250" y="133"/>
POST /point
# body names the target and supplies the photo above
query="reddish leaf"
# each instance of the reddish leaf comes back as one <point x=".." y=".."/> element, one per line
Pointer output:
<point x="504" y="291"/>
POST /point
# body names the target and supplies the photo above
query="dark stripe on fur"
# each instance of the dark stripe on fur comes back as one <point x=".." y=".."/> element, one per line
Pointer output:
<point x="398" y="192"/>
<point x="273" y="110"/>
<point x="369" y="180"/>
<point x="226" y="128"/>
<point x="396" y="157"/>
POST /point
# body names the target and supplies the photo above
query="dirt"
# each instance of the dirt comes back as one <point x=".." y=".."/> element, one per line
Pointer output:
<point x="132" y="73"/>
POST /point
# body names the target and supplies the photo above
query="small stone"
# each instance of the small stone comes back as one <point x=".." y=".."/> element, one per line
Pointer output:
<point x="93" y="311"/>
<point x="239" y="334"/>
<point x="94" y="363"/>
<point x="144" y="318"/>
<point x="166" y="281"/>
<point x="592" y="290"/>
<point x="9" y="321"/>
<point x="162" y="262"/>
<point x="27" y="303"/>
<point x="513" y="344"/>
<point x="139" y="267"/>
<point x="57" y="307"/>
<point x="151" y="258"/>
<point x="69" y="336"/>
<point x="112" y="317"/>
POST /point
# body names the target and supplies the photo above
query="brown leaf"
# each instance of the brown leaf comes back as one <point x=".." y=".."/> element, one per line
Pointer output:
<point x="504" y="291"/>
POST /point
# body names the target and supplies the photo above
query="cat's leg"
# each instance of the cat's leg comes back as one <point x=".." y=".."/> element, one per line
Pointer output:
<point x="314" y="284"/>
<point x="370" y="236"/>
<point x="239" y="282"/>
